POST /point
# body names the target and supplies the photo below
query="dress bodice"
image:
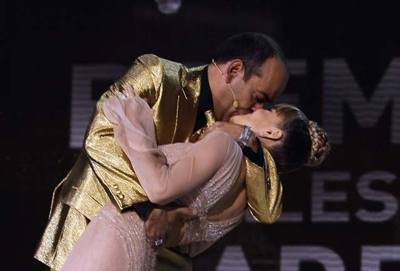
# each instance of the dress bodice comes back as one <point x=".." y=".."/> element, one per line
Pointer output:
<point x="203" y="198"/>
<point x="196" y="175"/>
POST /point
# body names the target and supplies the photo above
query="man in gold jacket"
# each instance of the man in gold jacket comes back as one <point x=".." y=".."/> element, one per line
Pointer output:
<point x="248" y="70"/>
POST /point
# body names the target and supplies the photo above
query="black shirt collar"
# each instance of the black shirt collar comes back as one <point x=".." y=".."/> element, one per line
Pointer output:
<point x="255" y="157"/>
<point x="205" y="101"/>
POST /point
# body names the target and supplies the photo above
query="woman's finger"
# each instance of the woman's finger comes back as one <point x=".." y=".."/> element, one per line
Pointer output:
<point x="129" y="88"/>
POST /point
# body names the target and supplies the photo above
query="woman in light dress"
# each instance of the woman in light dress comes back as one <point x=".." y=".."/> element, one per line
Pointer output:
<point x="207" y="176"/>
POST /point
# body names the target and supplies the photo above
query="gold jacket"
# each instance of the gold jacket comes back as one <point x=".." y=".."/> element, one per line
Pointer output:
<point x="103" y="172"/>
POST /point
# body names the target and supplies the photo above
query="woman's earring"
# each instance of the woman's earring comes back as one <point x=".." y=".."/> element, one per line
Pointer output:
<point x="261" y="134"/>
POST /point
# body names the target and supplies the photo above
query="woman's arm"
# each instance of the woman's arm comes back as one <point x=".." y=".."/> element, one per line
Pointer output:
<point x="109" y="164"/>
<point x="163" y="183"/>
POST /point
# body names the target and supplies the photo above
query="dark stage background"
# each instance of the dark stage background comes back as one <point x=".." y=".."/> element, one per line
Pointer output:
<point x="345" y="66"/>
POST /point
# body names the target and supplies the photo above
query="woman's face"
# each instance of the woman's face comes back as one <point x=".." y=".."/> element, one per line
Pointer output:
<point x="261" y="120"/>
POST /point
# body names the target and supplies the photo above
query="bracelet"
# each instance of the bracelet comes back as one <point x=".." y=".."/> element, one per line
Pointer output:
<point x="245" y="135"/>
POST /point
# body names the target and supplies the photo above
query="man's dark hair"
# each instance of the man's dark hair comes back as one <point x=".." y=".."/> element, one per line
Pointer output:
<point x="252" y="48"/>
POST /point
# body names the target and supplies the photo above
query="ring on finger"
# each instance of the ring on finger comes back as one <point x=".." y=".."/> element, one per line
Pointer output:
<point x="159" y="241"/>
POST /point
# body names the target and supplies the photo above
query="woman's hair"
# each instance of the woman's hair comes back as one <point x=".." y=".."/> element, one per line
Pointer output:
<point x="304" y="142"/>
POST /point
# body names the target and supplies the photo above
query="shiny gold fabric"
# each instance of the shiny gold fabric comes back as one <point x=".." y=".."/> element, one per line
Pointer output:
<point x="264" y="191"/>
<point x="103" y="171"/>
<point x="211" y="119"/>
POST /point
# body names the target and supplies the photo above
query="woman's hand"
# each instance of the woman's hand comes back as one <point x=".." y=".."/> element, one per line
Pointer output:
<point x="166" y="223"/>
<point x="234" y="130"/>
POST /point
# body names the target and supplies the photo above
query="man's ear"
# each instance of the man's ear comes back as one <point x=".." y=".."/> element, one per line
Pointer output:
<point x="235" y="68"/>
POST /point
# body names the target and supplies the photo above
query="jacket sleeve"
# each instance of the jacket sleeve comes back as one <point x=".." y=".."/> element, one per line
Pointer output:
<point x="107" y="160"/>
<point x="264" y="190"/>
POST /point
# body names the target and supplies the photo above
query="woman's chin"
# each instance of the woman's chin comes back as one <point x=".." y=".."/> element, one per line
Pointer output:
<point x="235" y="118"/>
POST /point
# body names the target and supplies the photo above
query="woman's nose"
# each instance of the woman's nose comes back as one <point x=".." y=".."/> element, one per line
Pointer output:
<point x="258" y="106"/>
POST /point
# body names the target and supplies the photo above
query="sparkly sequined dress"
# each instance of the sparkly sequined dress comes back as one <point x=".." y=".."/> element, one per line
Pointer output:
<point x="196" y="175"/>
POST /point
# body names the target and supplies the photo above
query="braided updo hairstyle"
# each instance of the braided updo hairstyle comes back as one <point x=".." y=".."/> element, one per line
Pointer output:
<point x="304" y="142"/>
<point x="319" y="144"/>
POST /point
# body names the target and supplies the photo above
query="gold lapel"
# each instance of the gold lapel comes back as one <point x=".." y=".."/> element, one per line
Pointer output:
<point x="211" y="119"/>
<point x="187" y="104"/>
<point x="175" y="111"/>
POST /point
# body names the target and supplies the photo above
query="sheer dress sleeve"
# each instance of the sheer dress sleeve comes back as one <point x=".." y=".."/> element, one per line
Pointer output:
<point x="163" y="182"/>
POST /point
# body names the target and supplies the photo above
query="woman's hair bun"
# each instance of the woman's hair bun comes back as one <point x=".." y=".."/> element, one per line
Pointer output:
<point x="319" y="144"/>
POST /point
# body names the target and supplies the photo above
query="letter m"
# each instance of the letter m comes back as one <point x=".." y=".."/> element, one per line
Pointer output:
<point x="340" y="87"/>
